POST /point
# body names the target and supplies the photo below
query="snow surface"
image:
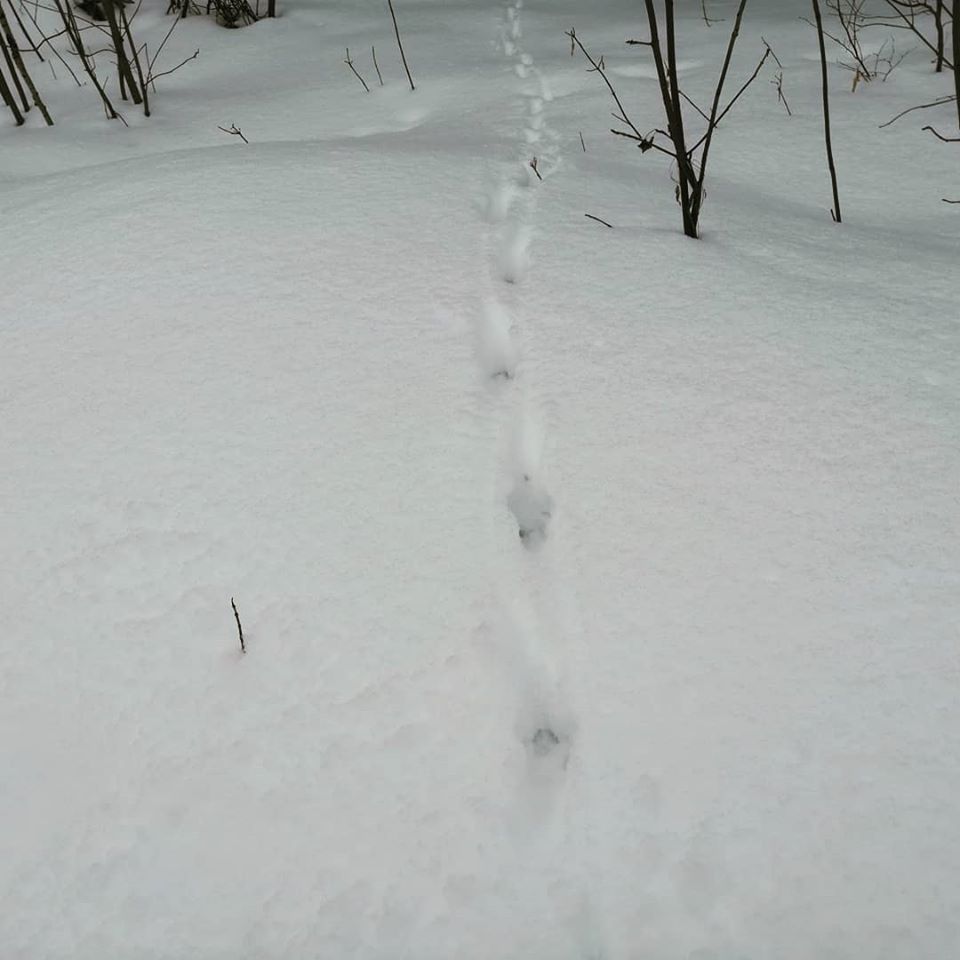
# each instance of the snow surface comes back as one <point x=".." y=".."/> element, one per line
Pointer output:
<point x="706" y="707"/>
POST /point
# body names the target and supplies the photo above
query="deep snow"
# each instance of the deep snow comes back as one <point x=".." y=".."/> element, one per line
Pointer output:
<point x="706" y="707"/>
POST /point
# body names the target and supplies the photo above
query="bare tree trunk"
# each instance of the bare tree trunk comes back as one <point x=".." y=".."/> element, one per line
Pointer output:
<point x="22" y="68"/>
<point x="124" y="71"/>
<point x="938" y="16"/>
<point x="6" y="94"/>
<point x="956" y="54"/>
<point x="685" y="179"/>
<point x="73" y="33"/>
<point x="5" y="45"/>
<point x="670" y="95"/>
<point x="136" y="59"/>
<point x="835" y="212"/>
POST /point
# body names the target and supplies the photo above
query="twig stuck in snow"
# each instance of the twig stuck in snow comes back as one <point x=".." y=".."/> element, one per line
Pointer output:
<point x="709" y="21"/>
<point x="835" y="212"/>
<point x="403" y="56"/>
<point x="777" y="81"/>
<point x="353" y="70"/>
<point x="535" y="167"/>
<point x="376" y="65"/>
<point x="243" y="646"/>
<point x="235" y="132"/>
<point x="590" y="216"/>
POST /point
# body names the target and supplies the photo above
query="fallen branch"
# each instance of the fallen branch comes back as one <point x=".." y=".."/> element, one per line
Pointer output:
<point x="940" y="136"/>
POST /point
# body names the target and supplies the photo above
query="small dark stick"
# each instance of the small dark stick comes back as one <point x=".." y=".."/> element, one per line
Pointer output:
<point x="534" y="166"/>
<point x="243" y="646"/>
<point x="777" y="81"/>
<point x="234" y="131"/>
<point x="373" y="50"/>
<point x="353" y="70"/>
<point x="582" y="144"/>
<point x="590" y="216"/>
<point x="403" y="56"/>
<point x="835" y="212"/>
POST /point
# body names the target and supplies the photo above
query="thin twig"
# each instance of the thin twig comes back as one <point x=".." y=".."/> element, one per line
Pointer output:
<point x="163" y="43"/>
<point x="243" y="646"/>
<point x="165" y="73"/>
<point x="590" y="216"/>
<point x="709" y="21"/>
<point x="777" y="81"/>
<point x="582" y="144"/>
<point x="376" y="65"/>
<point x="597" y="68"/>
<point x="695" y="107"/>
<point x="403" y="56"/>
<point x="922" y="106"/>
<point x="535" y="167"/>
<point x="234" y="131"/>
<point x="353" y="70"/>
<point x="23" y="30"/>
<point x="835" y="212"/>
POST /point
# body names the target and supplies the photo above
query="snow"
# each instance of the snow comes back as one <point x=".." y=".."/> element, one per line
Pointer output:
<point x="705" y="705"/>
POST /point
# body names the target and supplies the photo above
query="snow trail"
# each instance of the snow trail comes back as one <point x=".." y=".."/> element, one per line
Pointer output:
<point x="535" y="590"/>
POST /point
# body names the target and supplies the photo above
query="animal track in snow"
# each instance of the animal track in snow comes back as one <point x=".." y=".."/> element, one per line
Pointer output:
<point x="532" y="508"/>
<point x="496" y="348"/>
<point x="514" y="255"/>
<point x="498" y="201"/>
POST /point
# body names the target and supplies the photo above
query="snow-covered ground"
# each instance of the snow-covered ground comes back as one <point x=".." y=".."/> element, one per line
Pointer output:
<point x="706" y="707"/>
